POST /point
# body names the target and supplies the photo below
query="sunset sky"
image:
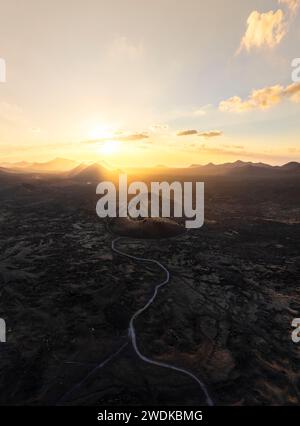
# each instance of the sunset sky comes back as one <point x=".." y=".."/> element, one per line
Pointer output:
<point x="140" y="82"/>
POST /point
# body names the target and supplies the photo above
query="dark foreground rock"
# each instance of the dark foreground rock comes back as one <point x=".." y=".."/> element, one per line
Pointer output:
<point x="225" y="315"/>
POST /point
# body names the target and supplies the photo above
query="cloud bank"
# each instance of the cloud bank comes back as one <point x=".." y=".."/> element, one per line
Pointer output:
<point x="262" y="99"/>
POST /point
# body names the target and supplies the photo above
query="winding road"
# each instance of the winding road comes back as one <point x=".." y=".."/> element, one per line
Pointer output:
<point x="132" y="335"/>
<point x="131" y="328"/>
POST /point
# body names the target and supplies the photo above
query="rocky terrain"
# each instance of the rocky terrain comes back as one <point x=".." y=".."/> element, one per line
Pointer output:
<point x="225" y="315"/>
<point x="149" y="227"/>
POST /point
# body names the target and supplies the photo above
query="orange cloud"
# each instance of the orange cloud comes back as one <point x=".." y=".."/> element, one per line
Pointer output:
<point x="132" y="137"/>
<point x="122" y="138"/>
<point x="210" y="134"/>
<point x="187" y="132"/>
<point x="264" y="30"/>
<point x="262" y="99"/>
<point x="293" y="92"/>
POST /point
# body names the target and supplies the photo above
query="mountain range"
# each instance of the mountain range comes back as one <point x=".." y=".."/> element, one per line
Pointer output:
<point x="73" y="170"/>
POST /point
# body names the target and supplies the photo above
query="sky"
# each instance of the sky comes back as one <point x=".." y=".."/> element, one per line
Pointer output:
<point x="139" y="82"/>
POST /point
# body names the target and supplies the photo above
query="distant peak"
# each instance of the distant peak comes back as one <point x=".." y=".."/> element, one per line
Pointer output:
<point x="291" y="165"/>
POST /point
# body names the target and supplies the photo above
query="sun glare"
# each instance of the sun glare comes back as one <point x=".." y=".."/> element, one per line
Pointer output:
<point x="110" y="147"/>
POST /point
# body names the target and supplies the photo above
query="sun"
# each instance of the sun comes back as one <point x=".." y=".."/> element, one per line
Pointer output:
<point x="110" y="147"/>
<point x="105" y="136"/>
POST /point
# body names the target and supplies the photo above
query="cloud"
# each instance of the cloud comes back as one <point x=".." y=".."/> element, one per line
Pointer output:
<point x="132" y="137"/>
<point x="269" y="28"/>
<point x="262" y="99"/>
<point x="210" y="134"/>
<point x="187" y="132"/>
<point x="264" y="30"/>
<point x="293" y="5"/>
<point x="293" y="92"/>
<point x="129" y="137"/>
<point x="159" y="128"/>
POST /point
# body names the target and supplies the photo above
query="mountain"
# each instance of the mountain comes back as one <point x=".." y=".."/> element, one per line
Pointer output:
<point x="226" y="166"/>
<point x="74" y="172"/>
<point x="93" y="173"/>
<point x="238" y="164"/>
<point x="17" y="165"/>
<point x="3" y="171"/>
<point x="254" y="170"/>
<point x="292" y="166"/>
<point x="56" y="165"/>
<point x="245" y="168"/>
